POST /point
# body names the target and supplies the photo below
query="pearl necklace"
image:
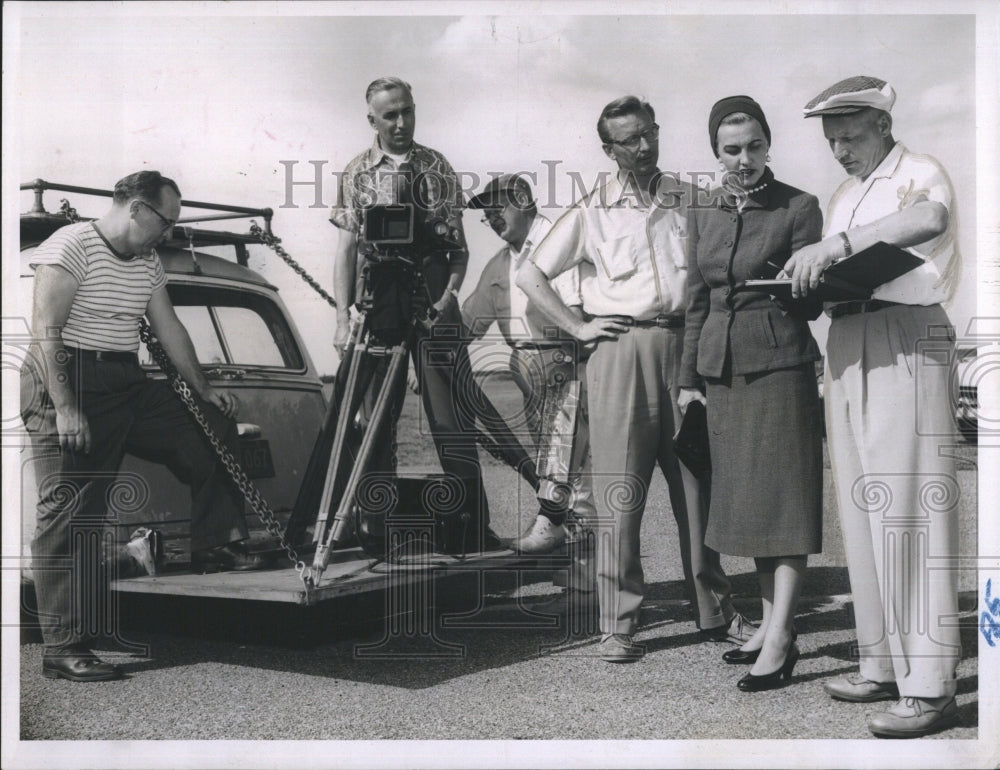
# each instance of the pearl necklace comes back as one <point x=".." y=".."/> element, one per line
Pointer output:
<point x="758" y="188"/>
<point x="742" y="196"/>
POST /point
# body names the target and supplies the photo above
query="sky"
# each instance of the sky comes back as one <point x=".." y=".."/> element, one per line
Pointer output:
<point x="232" y="105"/>
<point x="218" y="95"/>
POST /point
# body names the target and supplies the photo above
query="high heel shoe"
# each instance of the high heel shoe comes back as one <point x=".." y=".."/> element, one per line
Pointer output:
<point x="741" y="656"/>
<point x="751" y="683"/>
<point x="748" y="656"/>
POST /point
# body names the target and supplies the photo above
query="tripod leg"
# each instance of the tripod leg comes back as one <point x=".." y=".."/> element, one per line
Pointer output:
<point x="349" y="402"/>
<point x="341" y="520"/>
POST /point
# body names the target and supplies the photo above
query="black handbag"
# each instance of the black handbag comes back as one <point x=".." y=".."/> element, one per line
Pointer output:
<point x="691" y="441"/>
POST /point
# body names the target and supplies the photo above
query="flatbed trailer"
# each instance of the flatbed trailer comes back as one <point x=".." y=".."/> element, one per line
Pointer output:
<point x="350" y="572"/>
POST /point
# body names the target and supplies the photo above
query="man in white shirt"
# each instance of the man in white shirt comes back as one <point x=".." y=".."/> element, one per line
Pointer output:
<point x="546" y="366"/>
<point x="888" y="412"/>
<point x="632" y="231"/>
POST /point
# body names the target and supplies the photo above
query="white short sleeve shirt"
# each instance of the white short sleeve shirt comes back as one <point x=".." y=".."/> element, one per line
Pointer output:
<point x="901" y="180"/>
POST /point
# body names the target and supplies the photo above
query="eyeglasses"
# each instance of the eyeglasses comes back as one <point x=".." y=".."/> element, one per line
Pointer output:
<point x="166" y="222"/>
<point x="489" y="217"/>
<point x="651" y="134"/>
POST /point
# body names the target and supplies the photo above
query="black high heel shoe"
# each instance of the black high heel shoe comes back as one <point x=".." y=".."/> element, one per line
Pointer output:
<point x="748" y="656"/>
<point x="741" y="656"/>
<point x="775" y="679"/>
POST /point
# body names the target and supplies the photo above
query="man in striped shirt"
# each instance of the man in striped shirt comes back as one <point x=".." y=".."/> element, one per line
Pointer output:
<point x="86" y="401"/>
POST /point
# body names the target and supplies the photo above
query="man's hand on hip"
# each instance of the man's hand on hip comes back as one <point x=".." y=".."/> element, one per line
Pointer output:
<point x="601" y="328"/>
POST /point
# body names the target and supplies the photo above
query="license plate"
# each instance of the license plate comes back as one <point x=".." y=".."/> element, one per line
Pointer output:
<point x="256" y="460"/>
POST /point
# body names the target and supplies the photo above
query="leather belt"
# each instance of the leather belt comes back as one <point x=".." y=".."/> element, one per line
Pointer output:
<point x="539" y="346"/>
<point x="861" y="306"/>
<point x="119" y="356"/>
<point x="674" y="321"/>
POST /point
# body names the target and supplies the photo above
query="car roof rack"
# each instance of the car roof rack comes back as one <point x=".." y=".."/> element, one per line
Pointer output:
<point x="181" y="236"/>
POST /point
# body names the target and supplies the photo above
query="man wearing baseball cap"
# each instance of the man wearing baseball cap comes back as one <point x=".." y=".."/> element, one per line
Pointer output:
<point x="888" y="412"/>
<point x="545" y="365"/>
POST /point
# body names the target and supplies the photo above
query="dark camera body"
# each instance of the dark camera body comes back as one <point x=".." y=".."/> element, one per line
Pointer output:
<point x="414" y="227"/>
<point x="407" y="231"/>
<point x="405" y="246"/>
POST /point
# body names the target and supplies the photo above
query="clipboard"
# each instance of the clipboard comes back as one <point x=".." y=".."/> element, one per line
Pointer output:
<point x="854" y="278"/>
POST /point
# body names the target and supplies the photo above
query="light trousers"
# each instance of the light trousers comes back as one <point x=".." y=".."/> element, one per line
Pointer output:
<point x="889" y="424"/>
<point x="632" y="392"/>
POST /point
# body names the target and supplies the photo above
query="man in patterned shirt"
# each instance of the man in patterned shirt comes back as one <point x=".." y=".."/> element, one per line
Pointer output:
<point x="374" y="177"/>
<point x="86" y="401"/>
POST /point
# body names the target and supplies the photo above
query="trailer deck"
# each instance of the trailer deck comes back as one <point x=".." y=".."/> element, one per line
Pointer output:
<point x="350" y="572"/>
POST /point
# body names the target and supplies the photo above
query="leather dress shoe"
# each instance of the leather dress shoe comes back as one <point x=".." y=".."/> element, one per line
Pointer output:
<point x="78" y="665"/>
<point x="914" y="717"/>
<point x="233" y="556"/>
<point x="854" y="688"/>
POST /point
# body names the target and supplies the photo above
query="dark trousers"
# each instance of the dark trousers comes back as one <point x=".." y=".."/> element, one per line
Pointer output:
<point x="78" y="493"/>
<point x="441" y="362"/>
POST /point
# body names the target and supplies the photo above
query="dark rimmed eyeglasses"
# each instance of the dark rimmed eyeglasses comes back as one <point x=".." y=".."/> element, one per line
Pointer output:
<point x="166" y="222"/>
<point x="651" y="134"/>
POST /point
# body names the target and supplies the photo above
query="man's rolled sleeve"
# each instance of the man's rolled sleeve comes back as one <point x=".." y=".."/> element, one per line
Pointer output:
<point x="564" y="245"/>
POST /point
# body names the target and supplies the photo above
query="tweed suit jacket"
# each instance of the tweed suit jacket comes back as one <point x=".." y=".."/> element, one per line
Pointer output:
<point x="726" y="246"/>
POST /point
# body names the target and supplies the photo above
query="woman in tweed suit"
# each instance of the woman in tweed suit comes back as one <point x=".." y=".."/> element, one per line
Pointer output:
<point x="756" y="363"/>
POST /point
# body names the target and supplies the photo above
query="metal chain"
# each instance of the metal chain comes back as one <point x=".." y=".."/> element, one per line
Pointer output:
<point x="249" y="490"/>
<point x="274" y="243"/>
<point x="236" y="472"/>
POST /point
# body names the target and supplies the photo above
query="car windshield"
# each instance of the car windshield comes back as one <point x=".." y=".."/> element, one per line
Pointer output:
<point x="233" y="328"/>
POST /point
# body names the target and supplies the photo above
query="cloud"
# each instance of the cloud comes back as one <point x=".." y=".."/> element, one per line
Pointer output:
<point x="943" y="101"/>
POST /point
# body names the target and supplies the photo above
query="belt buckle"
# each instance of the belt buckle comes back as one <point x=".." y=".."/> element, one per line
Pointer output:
<point x="662" y="322"/>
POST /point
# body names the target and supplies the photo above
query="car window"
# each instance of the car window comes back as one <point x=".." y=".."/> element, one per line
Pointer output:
<point x="250" y="339"/>
<point x="233" y="328"/>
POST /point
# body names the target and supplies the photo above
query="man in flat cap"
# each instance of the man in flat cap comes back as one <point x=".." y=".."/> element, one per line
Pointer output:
<point x="544" y="364"/>
<point x="888" y="412"/>
<point x="631" y="230"/>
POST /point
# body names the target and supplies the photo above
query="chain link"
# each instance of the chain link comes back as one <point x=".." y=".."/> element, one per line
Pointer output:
<point x="274" y="243"/>
<point x="249" y="490"/>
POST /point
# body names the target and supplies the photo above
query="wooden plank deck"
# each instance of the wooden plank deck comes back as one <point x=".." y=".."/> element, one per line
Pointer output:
<point x="350" y="572"/>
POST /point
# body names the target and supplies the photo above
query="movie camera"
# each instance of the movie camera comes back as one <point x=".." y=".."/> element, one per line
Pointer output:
<point x="414" y="228"/>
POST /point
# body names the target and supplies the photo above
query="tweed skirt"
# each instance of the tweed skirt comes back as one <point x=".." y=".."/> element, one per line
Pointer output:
<point x="765" y="436"/>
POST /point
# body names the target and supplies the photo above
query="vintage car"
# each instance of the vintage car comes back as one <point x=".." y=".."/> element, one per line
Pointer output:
<point x="246" y="341"/>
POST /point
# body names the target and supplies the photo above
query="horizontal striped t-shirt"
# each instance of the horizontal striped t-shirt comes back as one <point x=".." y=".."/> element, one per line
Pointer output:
<point x="113" y="292"/>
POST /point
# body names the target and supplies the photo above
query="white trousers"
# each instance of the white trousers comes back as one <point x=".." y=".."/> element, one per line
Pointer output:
<point x="889" y="425"/>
